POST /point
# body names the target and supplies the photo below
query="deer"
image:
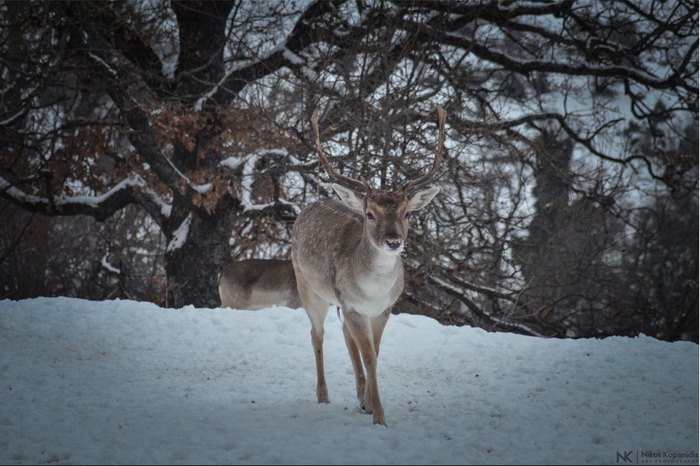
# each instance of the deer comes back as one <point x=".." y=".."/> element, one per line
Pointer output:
<point x="347" y="253"/>
<point x="258" y="283"/>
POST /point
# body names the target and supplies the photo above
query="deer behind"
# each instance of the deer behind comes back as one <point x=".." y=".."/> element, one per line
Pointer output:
<point x="348" y="253"/>
<point x="258" y="283"/>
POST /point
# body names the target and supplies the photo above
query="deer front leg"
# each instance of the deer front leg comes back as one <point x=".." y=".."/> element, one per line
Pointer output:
<point x="357" y="366"/>
<point x="316" y="309"/>
<point x="360" y="329"/>
<point x="378" y="325"/>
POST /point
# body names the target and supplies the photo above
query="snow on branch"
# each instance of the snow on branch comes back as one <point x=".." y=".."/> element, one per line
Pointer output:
<point x="164" y="208"/>
<point x="284" y="54"/>
<point x="108" y="266"/>
<point x="180" y="234"/>
<point x="12" y="118"/>
<point x="292" y="57"/>
<point x="247" y="178"/>
<point x="96" y="201"/>
<point x="461" y="293"/>
<point x="18" y="196"/>
<point x="130" y="190"/>
<point x="103" y="63"/>
<point x="199" y="104"/>
<point x="247" y="164"/>
<point x="232" y="162"/>
<point x="513" y="63"/>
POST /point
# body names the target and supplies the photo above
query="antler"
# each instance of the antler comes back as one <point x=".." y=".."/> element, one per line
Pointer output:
<point x="352" y="183"/>
<point x="412" y="185"/>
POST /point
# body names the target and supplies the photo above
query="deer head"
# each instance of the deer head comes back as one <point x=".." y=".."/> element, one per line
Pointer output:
<point x="385" y="212"/>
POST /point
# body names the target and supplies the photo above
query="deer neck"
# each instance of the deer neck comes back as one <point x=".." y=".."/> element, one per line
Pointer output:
<point x="378" y="280"/>
<point x="375" y="262"/>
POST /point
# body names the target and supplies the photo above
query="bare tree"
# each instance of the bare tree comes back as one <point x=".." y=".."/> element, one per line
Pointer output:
<point x="197" y="113"/>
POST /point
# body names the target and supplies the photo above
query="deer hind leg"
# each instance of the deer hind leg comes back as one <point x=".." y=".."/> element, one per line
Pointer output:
<point x="317" y="312"/>
<point x="360" y="328"/>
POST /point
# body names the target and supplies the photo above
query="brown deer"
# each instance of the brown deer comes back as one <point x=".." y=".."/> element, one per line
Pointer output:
<point x="349" y="254"/>
<point x="258" y="283"/>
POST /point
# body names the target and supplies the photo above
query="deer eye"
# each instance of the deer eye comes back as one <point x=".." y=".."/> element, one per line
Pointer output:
<point x="370" y="216"/>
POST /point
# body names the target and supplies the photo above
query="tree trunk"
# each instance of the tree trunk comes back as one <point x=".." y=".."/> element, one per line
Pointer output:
<point x="202" y="31"/>
<point x="192" y="268"/>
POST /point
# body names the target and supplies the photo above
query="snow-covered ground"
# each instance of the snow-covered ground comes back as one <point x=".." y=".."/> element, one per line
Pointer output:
<point x="128" y="382"/>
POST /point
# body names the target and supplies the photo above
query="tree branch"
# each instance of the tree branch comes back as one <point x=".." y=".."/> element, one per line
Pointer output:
<point x="305" y="32"/>
<point x="102" y="206"/>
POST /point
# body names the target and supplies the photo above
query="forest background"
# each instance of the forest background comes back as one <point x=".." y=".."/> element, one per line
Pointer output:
<point x="146" y="144"/>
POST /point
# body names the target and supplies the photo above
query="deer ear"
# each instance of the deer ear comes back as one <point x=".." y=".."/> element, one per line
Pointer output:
<point x="350" y="198"/>
<point x="421" y="198"/>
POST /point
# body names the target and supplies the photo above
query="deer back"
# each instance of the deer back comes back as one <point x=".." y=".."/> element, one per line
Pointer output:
<point x="258" y="283"/>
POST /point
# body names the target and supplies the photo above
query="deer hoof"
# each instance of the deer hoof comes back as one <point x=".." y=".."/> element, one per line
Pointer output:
<point x="322" y="395"/>
<point x="379" y="419"/>
<point x="366" y="406"/>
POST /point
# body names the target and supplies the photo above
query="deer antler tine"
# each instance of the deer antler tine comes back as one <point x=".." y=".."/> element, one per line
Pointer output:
<point x="411" y="185"/>
<point x="352" y="183"/>
<point x="368" y="187"/>
<point x="319" y="149"/>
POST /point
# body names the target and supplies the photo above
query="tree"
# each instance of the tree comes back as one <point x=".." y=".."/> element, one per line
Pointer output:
<point x="79" y="256"/>
<point x="197" y="112"/>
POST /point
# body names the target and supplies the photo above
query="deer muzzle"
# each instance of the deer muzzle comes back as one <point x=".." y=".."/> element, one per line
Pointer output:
<point x="394" y="244"/>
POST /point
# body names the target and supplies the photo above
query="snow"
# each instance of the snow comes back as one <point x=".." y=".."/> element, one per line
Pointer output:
<point x="232" y="162"/>
<point x="247" y="179"/>
<point x="18" y="194"/>
<point x="11" y="119"/>
<point x="99" y="60"/>
<point x="180" y="234"/>
<point x="203" y="188"/>
<point x="129" y="382"/>
<point x="292" y="57"/>
<point x="108" y="265"/>
<point x="88" y="200"/>
<point x="95" y="201"/>
<point x="164" y="207"/>
<point x="214" y="89"/>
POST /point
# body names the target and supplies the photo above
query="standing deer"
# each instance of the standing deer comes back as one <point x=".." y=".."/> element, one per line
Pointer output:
<point x="349" y="254"/>
<point x="258" y="283"/>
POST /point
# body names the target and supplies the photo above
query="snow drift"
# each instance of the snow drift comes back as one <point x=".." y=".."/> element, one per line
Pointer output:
<point x="129" y="382"/>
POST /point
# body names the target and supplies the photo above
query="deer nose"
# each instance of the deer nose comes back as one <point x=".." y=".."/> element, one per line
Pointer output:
<point x="394" y="243"/>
